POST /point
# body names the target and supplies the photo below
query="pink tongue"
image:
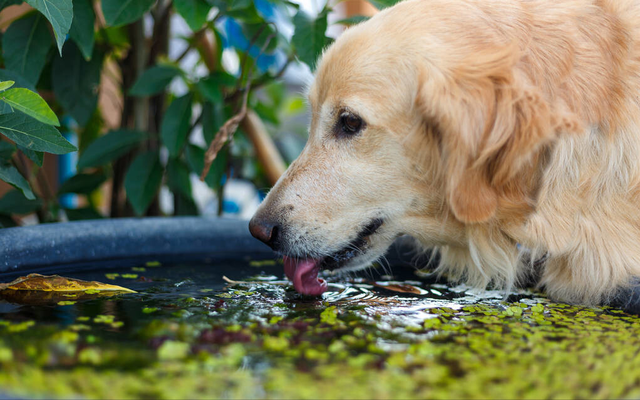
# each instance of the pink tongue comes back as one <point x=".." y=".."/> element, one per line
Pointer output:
<point x="304" y="275"/>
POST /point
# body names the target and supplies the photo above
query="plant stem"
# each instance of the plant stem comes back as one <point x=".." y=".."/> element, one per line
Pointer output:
<point x="192" y="42"/>
<point x="263" y="80"/>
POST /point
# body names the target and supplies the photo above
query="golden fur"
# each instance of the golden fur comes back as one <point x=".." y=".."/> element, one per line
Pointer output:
<point x="490" y="124"/>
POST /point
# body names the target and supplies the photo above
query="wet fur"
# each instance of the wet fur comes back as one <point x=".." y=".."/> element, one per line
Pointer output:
<point x="490" y="123"/>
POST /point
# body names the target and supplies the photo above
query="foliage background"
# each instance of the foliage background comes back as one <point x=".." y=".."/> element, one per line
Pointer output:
<point x="64" y="50"/>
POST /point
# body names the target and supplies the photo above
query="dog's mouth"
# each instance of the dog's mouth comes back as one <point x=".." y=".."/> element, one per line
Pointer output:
<point x="303" y="272"/>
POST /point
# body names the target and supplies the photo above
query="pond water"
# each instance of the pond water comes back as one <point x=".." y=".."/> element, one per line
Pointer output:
<point x="189" y="333"/>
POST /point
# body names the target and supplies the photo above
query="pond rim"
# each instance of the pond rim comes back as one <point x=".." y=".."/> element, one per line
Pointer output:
<point x="93" y="244"/>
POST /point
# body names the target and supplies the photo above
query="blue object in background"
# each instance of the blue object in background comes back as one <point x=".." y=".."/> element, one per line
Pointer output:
<point x="230" y="207"/>
<point x="67" y="165"/>
<point x="267" y="10"/>
<point x="233" y="36"/>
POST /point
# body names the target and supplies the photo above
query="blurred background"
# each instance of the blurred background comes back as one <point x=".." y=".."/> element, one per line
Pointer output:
<point x="141" y="89"/>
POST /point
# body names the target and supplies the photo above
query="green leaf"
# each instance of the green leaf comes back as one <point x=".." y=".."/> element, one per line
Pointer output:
<point x="210" y="87"/>
<point x="194" y="12"/>
<point x="81" y="214"/>
<point x="82" y="29"/>
<point x="31" y="104"/>
<point x="309" y="36"/>
<point x="10" y="174"/>
<point x="35" y="156"/>
<point x="267" y="113"/>
<point x="76" y="82"/>
<point x="34" y="135"/>
<point x="6" y="151"/>
<point x="353" y="20"/>
<point x="292" y="4"/>
<point x="109" y="147"/>
<point x="210" y="90"/>
<point x="14" y="202"/>
<point x="83" y="183"/>
<point x="6" y="85"/>
<point x="176" y="124"/>
<point x="178" y="178"/>
<point x="117" y="37"/>
<point x="212" y="119"/>
<point x="244" y="11"/>
<point x="7" y="222"/>
<point x="223" y="79"/>
<point x="195" y="158"/>
<point x="122" y="12"/>
<point x="238" y="4"/>
<point x="59" y="13"/>
<point x="25" y="45"/>
<point x="6" y="3"/>
<point x="382" y="4"/>
<point x="264" y="32"/>
<point x="143" y="180"/>
<point x="154" y="80"/>
<point x="19" y="82"/>
<point x="184" y="205"/>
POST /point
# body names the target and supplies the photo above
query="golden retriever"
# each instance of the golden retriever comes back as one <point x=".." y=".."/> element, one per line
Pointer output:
<point x="495" y="131"/>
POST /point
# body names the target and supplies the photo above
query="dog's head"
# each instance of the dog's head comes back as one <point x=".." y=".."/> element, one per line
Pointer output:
<point x="416" y="129"/>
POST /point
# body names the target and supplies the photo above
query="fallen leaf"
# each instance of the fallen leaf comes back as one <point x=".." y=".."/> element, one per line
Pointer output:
<point x="400" y="288"/>
<point x="57" y="283"/>
<point x="41" y="289"/>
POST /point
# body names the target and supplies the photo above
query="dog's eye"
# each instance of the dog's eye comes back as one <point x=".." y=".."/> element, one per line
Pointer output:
<point x="350" y="123"/>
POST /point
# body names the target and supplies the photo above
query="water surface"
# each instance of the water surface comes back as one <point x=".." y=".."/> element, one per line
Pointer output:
<point x="189" y="333"/>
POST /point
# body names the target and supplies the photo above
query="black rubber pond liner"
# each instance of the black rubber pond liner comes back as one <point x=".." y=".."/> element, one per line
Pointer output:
<point x="126" y="240"/>
<point x="60" y="247"/>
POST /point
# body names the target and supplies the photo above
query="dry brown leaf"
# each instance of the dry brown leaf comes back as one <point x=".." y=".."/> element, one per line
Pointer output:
<point x="57" y="283"/>
<point x="41" y="298"/>
<point x="400" y="288"/>
<point x="36" y="289"/>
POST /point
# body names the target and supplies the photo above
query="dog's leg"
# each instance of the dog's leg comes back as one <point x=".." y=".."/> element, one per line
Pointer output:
<point x="584" y="277"/>
<point x="628" y="299"/>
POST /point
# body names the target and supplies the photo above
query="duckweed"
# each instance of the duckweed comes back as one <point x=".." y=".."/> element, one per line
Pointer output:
<point x="197" y="338"/>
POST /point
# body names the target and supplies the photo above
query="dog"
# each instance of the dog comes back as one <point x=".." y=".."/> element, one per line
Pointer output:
<point x="504" y="134"/>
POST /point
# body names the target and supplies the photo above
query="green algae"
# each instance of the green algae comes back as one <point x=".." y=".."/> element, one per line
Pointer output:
<point x="261" y="340"/>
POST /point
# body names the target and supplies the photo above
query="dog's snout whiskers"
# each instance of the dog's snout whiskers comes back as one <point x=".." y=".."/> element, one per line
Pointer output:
<point x="371" y="228"/>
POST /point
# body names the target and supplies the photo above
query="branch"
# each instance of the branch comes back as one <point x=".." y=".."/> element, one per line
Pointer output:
<point x="246" y="54"/>
<point x="261" y="81"/>
<point x="229" y="128"/>
<point x="267" y="78"/>
<point x="224" y="134"/>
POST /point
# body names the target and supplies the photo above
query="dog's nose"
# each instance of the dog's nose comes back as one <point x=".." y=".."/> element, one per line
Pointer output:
<point x="264" y="230"/>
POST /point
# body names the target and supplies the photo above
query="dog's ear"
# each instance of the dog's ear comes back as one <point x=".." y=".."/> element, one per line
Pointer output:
<point x="493" y="124"/>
